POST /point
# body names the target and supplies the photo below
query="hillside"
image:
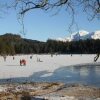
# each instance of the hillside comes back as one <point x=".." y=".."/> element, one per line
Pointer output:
<point x="11" y="44"/>
<point x="15" y="44"/>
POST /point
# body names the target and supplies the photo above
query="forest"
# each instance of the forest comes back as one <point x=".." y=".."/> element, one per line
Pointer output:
<point x="11" y="44"/>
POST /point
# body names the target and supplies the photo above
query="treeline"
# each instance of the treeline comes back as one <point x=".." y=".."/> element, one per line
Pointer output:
<point x="11" y="44"/>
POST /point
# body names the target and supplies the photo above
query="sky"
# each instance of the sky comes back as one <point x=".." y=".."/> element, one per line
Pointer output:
<point x="41" y="25"/>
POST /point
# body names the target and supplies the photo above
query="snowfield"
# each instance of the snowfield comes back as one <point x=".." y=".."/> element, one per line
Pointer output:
<point x="52" y="91"/>
<point x="11" y="68"/>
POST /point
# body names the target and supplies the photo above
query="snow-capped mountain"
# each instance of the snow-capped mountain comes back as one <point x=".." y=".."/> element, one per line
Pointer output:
<point x="81" y="35"/>
<point x="96" y="35"/>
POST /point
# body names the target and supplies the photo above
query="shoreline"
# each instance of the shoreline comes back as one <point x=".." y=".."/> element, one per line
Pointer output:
<point x="50" y="91"/>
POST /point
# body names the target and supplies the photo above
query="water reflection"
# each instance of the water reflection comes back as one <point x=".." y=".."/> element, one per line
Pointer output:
<point x="97" y="71"/>
<point x="89" y="75"/>
<point x="84" y="71"/>
<point x="85" y="74"/>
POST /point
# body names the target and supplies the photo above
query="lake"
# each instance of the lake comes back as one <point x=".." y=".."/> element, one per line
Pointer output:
<point x="83" y="74"/>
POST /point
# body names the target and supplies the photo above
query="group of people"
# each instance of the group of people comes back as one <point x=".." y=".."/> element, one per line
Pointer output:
<point x="22" y="62"/>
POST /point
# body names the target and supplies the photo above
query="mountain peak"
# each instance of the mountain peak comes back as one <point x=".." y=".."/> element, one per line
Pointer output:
<point x="82" y="35"/>
<point x="83" y="32"/>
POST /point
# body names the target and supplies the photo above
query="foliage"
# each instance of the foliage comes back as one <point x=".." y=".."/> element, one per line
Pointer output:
<point x="90" y="7"/>
<point x="11" y="44"/>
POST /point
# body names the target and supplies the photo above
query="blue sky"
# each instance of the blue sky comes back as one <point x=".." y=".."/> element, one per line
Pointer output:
<point x="40" y="25"/>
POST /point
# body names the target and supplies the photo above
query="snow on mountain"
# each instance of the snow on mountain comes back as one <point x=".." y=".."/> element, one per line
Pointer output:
<point x="96" y="35"/>
<point x="61" y="39"/>
<point x="81" y="35"/>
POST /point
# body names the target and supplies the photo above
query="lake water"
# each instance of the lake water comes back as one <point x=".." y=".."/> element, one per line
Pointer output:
<point x="89" y="75"/>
